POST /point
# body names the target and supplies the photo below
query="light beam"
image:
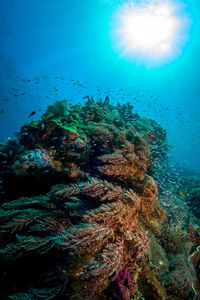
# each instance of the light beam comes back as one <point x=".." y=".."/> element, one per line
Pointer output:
<point x="152" y="30"/>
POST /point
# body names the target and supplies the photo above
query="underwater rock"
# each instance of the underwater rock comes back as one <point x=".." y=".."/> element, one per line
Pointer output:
<point x="33" y="159"/>
<point x="180" y="286"/>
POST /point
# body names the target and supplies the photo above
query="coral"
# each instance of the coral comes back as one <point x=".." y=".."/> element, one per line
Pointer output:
<point x="123" y="165"/>
<point x="95" y="220"/>
<point x="125" y="285"/>
<point x="155" y="137"/>
<point x="192" y="189"/>
<point x="80" y="216"/>
<point x="78" y="203"/>
<point x="157" y="256"/>
<point x="56" y="111"/>
<point x="195" y="260"/>
<point x="181" y="279"/>
<point x="101" y="137"/>
<point x="149" y="284"/>
<point x="172" y="242"/>
<point x="49" y="293"/>
<point x="103" y="265"/>
<point x="33" y="159"/>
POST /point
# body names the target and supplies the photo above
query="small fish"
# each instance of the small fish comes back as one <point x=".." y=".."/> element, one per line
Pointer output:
<point x="2" y="111"/>
<point x="182" y="194"/>
<point x="32" y="114"/>
<point x="54" y="138"/>
<point x="45" y="171"/>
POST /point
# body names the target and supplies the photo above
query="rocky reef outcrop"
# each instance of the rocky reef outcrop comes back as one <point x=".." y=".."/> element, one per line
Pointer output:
<point x="80" y="216"/>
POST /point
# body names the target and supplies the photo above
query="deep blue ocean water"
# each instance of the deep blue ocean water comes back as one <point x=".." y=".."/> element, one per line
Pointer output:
<point x="53" y="50"/>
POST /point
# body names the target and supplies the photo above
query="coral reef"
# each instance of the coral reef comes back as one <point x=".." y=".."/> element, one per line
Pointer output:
<point x="93" y="227"/>
<point x="195" y="259"/>
<point x="124" y="286"/>
<point x="181" y="279"/>
<point x="80" y="216"/>
<point x="191" y="188"/>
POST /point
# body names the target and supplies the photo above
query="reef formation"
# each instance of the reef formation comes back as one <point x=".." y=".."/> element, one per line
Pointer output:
<point x="80" y="214"/>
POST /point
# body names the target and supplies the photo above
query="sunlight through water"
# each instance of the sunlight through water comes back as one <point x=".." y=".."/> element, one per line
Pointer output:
<point x="150" y="32"/>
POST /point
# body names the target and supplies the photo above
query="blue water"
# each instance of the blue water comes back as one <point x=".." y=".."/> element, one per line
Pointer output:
<point x="46" y="44"/>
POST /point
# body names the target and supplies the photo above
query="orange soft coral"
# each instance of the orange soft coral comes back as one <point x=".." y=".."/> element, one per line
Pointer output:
<point x="123" y="165"/>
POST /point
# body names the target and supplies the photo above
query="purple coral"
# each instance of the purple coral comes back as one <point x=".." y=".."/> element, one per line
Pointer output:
<point x="125" y="285"/>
